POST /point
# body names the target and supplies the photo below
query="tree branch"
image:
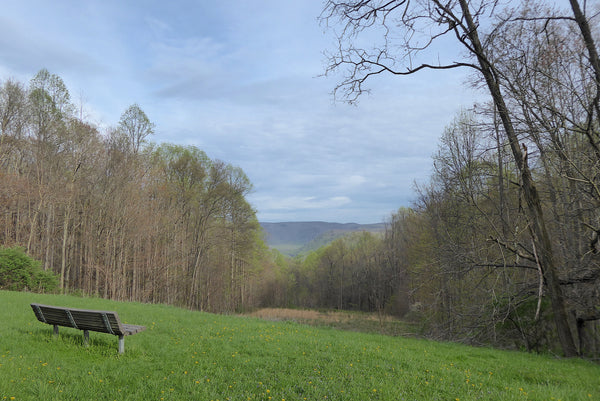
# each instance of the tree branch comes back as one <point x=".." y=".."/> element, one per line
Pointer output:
<point x="529" y="256"/>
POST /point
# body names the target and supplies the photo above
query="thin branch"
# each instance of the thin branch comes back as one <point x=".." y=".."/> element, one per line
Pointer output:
<point x="541" y="286"/>
<point x="529" y="256"/>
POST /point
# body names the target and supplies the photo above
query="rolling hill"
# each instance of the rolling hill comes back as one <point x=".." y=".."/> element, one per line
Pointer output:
<point x="293" y="238"/>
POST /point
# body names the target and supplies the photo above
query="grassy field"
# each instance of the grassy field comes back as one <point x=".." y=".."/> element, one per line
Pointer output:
<point x="186" y="355"/>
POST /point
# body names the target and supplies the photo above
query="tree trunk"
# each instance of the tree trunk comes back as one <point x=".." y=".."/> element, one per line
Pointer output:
<point x="594" y="59"/>
<point x="63" y="262"/>
<point x="587" y="37"/>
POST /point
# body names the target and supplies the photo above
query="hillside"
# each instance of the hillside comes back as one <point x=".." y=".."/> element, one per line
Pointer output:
<point x="187" y="355"/>
<point x="292" y="238"/>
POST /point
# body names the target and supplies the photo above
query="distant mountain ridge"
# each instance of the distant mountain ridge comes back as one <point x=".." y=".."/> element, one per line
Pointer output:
<point x="291" y="238"/>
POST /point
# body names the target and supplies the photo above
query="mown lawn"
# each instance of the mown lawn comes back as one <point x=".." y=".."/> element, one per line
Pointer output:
<point x="185" y="355"/>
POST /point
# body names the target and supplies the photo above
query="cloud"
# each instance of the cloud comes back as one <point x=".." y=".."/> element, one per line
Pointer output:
<point x="303" y="149"/>
<point x="302" y="203"/>
<point x="297" y="208"/>
<point x="355" y="180"/>
<point x="241" y="83"/>
<point x="190" y="68"/>
<point x="23" y="49"/>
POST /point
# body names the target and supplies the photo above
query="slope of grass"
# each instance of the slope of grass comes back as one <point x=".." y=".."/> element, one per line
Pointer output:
<point x="185" y="355"/>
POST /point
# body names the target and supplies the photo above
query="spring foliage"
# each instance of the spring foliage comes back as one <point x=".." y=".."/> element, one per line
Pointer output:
<point x="19" y="271"/>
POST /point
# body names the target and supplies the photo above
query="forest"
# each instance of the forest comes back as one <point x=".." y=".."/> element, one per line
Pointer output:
<point x="500" y="247"/>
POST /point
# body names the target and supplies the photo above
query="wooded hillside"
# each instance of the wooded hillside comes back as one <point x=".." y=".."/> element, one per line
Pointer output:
<point x="300" y="237"/>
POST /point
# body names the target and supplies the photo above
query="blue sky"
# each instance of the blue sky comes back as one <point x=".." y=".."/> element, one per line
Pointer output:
<point x="242" y="80"/>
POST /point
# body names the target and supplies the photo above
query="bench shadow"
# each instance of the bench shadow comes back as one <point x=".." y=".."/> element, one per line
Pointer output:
<point x="73" y="336"/>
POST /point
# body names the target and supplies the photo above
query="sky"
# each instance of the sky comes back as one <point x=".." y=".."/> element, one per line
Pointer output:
<point x="244" y="82"/>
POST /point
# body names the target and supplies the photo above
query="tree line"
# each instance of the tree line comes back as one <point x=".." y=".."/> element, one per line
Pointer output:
<point x="117" y="216"/>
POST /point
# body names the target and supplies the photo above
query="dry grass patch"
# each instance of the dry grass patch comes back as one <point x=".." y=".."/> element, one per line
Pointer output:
<point x="299" y="315"/>
<point x="344" y="320"/>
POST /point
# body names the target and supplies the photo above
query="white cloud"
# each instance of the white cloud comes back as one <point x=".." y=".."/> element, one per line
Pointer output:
<point x="301" y="203"/>
<point x="355" y="180"/>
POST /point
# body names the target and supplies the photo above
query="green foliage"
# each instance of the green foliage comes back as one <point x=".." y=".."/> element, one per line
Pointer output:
<point x="186" y="355"/>
<point x="18" y="271"/>
<point x="49" y="96"/>
<point x="520" y="322"/>
<point x="349" y="273"/>
<point x="136" y="126"/>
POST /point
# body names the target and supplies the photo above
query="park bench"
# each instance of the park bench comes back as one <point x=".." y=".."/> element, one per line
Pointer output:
<point x="86" y="320"/>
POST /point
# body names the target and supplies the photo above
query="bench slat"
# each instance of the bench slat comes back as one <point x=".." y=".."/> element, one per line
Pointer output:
<point x="55" y="317"/>
<point x="101" y="321"/>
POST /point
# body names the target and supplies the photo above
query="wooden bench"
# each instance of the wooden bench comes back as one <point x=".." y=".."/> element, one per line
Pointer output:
<point x="86" y="320"/>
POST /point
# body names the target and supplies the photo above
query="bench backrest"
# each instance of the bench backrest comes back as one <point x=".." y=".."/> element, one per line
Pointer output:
<point x="82" y="319"/>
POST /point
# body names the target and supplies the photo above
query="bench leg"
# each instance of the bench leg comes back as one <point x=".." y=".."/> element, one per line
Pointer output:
<point x="121" y="344"/>
<point x="55" y="330"/>
<point x="86" y="337"/>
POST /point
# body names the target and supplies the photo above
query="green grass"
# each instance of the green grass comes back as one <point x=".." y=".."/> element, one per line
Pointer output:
<point x="185" y="355"/>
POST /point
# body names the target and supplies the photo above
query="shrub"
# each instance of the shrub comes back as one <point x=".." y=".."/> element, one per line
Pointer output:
<point x="19" y="271"/>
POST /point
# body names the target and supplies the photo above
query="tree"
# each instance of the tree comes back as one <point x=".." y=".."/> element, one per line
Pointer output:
<point x="50" y="103"/>
<point x="552" y="89"/>
<point x="13" y="120"/>
<point x="420" y="25"/>
<point x="19" y="271"/>
<point x="240" y="221"/>
<point x="594" y="61"/>
<point x="136" y="126"/>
